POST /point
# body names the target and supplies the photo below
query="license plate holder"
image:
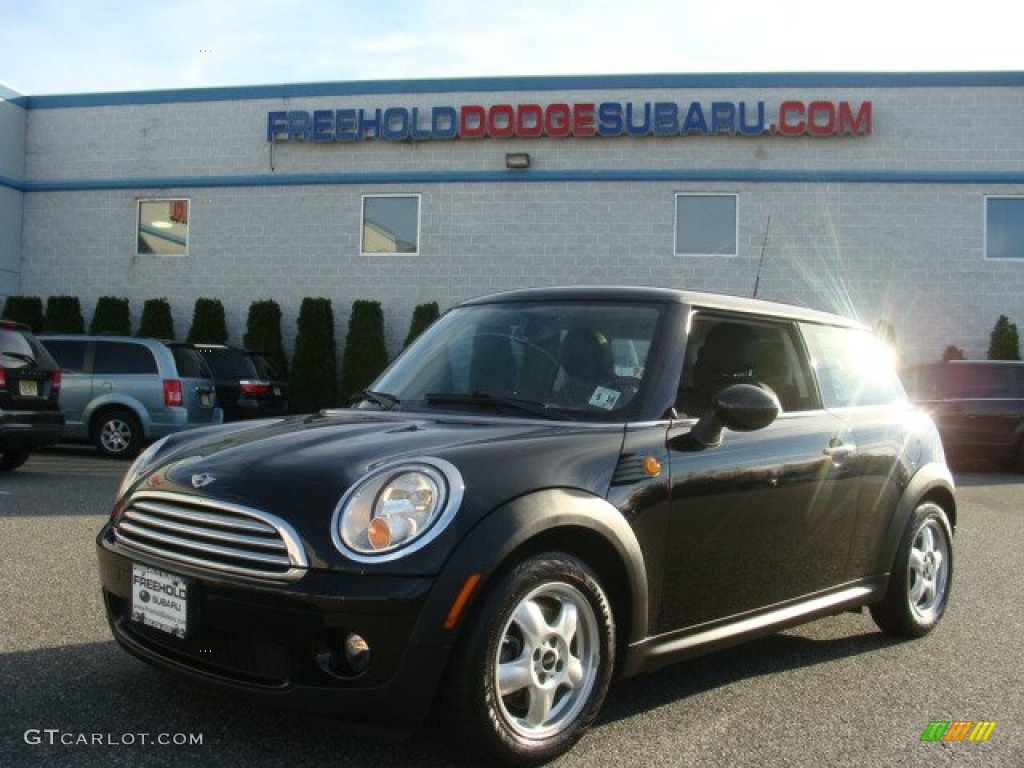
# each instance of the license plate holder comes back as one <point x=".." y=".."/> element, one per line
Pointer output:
<point x="161" y="600"/>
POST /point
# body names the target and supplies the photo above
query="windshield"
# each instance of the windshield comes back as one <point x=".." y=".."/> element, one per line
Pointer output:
<point x="572" y="359"/>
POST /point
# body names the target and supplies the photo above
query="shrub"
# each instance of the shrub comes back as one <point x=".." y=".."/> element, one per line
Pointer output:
<point x="208" y="323"/>
<point x="25" y="309"/>
<point x="64" y="315"/>
<point x="112" y="315"/>
<point x="953" y="352"/>
<point x="422" y="317"/>
<point x="314" y="376"/>
<point x="366" y="353"/>
<point x="1004" y="343"/>
<point x="157" y="321"/>
<point x="263" y="333"/>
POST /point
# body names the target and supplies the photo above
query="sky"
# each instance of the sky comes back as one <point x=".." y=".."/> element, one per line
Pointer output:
<point x="79" y="46"/>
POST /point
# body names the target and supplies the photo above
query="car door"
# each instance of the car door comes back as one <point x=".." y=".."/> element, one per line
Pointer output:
<point x="764" y="516"/>
<point x="74" y="356"/>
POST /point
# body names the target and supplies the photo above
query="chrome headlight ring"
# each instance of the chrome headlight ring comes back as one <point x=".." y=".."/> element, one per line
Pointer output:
<point x="396" y="509"/>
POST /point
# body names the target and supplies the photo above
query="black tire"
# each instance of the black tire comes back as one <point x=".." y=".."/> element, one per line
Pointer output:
<point x="13" y="459"/>
<point x="117" y="434"/>
<point x="548" y="624"/>
<point x="921" y="577"/>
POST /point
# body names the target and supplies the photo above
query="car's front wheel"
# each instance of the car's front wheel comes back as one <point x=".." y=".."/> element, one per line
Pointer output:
<point x="921" y="577"/>
<point x="117" y="434"/>
<point x="532" y="671"/>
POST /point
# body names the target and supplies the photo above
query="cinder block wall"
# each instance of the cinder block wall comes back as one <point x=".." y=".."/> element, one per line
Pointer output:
<point x="893" y="231"/>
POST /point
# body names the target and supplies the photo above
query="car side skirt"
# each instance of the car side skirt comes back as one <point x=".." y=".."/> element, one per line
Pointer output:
<point x="665" y="649"/>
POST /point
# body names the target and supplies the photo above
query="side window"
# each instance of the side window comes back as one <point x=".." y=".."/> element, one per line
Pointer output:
<point x="968" y="381"/>
<point x="852" y="367"/>
<point x="70" y="355"/>
<point x="723" y="350"/>
<point x="123" y="357"/>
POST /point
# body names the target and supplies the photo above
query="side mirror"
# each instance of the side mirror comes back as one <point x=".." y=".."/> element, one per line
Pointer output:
<point x="741" y="408"/>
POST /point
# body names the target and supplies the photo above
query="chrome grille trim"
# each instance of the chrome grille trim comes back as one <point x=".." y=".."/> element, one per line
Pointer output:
<point x="212" y="535"/>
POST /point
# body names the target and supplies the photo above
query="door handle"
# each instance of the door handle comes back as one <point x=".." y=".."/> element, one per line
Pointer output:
<point x="840" y="449"/>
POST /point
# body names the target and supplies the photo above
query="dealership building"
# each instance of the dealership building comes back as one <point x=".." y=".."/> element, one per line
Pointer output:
<point x="894" y="197"/>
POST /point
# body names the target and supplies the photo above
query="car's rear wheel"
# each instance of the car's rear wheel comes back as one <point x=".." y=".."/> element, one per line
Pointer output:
<point x="921" y="578"/>
<point x="117" y="434"/>
<point x="532" y="671"/>
<point x="13" y="459"/>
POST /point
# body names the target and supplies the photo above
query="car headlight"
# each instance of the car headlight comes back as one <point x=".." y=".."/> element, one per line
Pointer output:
<point x="138" y="466"/>
<point x="396" y="509"/>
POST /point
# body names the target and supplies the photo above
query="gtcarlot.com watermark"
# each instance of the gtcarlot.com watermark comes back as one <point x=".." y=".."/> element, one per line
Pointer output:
<point x="57" y="737"/>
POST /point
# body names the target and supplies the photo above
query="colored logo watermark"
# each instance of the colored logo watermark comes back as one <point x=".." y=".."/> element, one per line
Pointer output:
<point x="958" y="730"/>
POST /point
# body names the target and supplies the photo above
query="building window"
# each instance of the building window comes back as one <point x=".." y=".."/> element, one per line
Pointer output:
<point x="391" y="224"/>
<point x="706" y="225"/>
<point x="1004" y="227"/>
<point x="163" y="227"/>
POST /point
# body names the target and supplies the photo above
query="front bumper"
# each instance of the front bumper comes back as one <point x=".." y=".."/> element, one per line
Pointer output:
<point x="285" y="643"/>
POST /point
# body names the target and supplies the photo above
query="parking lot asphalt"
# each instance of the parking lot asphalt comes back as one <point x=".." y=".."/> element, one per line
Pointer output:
<point x="832" y="693"/>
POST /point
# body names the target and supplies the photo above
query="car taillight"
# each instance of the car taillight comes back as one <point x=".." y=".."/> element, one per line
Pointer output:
<point x="255" y="387"/>
<point x="172" y="392"/>
<point x="55" y="386"/>
<point x="3" y="379"/>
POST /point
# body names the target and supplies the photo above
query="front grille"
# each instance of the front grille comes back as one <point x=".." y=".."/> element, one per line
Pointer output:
<point x="211" y="534"/>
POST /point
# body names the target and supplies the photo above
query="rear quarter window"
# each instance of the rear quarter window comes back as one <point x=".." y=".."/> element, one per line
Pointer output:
<point x="852" y="367"/>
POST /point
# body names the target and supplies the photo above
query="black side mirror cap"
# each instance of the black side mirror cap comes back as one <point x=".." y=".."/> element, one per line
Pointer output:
<point x="740" y="407"/>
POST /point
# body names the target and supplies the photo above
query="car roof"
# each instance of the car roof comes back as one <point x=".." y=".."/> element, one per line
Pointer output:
<point x="698" y="299"/>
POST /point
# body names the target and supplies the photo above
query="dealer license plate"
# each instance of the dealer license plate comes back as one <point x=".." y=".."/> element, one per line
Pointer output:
<point x="160" y="600"/>
<point x="28" y="388"/>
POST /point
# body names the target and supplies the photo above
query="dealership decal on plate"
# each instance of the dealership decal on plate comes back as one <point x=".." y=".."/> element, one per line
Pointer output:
<point x="159" y="600"/>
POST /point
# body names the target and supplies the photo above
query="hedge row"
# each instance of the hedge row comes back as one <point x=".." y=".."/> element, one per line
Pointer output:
<point x="314" y="378"/>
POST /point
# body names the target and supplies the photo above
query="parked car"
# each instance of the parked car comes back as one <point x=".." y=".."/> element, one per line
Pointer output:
<point x="120" y="392"/>
<point x="30" y="415"/>
<point x="978" y="406"/>
<point x="549" y="489"/>
<point x="248" y="387"/>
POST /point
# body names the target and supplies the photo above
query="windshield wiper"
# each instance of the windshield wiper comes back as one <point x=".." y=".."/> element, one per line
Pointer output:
<point x="19" y="356"/>
<point x="383" y="399"/>
<point x="486" y="400"/>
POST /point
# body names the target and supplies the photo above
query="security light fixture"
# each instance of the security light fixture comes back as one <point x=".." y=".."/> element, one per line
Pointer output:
<point x="517" y="161"/>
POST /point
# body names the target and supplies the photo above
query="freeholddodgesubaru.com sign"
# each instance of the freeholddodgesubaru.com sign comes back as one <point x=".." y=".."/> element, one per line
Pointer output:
<point x="563" y="119"/>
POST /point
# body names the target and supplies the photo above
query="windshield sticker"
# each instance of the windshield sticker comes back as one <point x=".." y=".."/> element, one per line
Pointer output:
<point x="604" y="398"/>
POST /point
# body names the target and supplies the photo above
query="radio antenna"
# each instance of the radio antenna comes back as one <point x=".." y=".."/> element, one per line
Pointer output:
<point x="760" y="264"/>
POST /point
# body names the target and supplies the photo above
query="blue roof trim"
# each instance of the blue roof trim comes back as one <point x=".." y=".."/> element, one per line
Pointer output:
<point x="10" y="183"/>
<point x="532" y="176"/>
<point x="537" y="83"/>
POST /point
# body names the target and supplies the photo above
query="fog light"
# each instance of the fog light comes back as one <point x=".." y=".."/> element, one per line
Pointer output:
<point x="357" y="653"/>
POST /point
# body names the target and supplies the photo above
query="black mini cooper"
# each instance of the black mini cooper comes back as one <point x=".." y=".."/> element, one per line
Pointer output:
<point x="550" y="489"/>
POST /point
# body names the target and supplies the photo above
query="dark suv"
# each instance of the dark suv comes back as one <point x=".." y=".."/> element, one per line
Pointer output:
<point x="248" y="387"/>
<point x="548" y="490"/>
<point x="978" y="406"/>
<point x="30" y="415"/>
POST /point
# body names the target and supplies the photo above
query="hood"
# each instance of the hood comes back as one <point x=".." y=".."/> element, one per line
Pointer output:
<point x="299" y="468"/>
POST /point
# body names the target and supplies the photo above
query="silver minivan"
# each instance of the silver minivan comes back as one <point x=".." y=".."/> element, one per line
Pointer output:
<point x="120" y="392"/>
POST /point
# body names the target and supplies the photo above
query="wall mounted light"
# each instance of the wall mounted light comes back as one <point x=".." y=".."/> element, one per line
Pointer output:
<point x="517" y="161"/>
